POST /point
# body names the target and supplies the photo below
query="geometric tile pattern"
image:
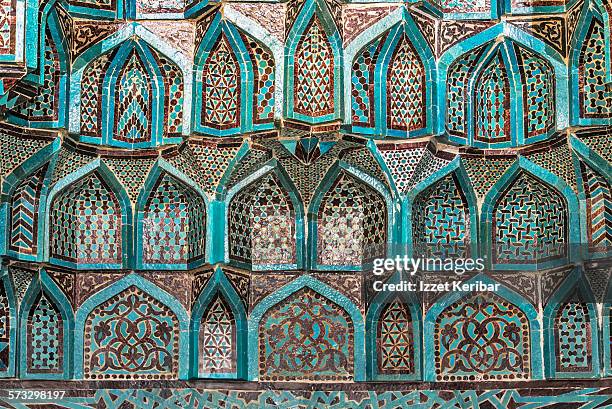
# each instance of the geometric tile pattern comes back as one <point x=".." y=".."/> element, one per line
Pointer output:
<point x="133" y="102"/>
<point x="174" y="223"/>
<point x="346" y="182"/>
<point x="174" y="96"/>
<point x="91" y="95"/>
<point x="406" y="88"/>
<point x="261" y="224"/>
<point x="351" y="223"/>
<point x="44" y="106"/>
<point x="395" y="339"/>
<point x="285" y="398"/>
<point x="441" y="220"/>
<point x="263" y="88"/>
<point x="217" y="338"/>
<point x="45" y="341"/>
<point x="313" y="91"/>
<point x="599" y="209"/>
<point x="24" y="213"/>
<point x="86" y="223"/>
<point x="573" y="337"/>
<point x="492" y="103"/>
<point x="7" y="27"/>
<point x="595" y="99"/>
<point x="221" y="88"/>
<point x="529" y="223"/>
<point x="457" y="90"/>
<point x="362" y="81"/>
<point x="539" y="94"/>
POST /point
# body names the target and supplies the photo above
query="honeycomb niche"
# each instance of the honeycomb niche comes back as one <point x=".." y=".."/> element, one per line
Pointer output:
<point x="192" y="195"/>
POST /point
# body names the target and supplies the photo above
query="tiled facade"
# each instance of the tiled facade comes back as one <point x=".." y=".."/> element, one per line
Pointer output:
<point x="192" y="194"/>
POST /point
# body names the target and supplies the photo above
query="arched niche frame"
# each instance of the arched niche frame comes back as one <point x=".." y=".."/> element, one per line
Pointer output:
<point x="61" y="186"/>
<point x="44" y="157"/>
<point x="35" y="19"/>
<point x="531" y="314"/>
<point x="501" y="38"/>
<point x="403" y="27"/>
<point x="109" y="100"/>
<point x="551" y="181"/>
<point x="583" y="153"/>
<point x="310" y="10"/>
<point x="456" y="170"/>
<point x="325" y="291"/>
<point x="576" y="284"/>
<point x="131" y="32"/>
<point x="589" y="19"/>
<point x="131" y="280"/>
<point x="275" y="168"/>
<point x="219" y="286"/>
<point x="222" y="30"/>
<point x="373" y="321"/>
<point x="262" y="35"/>
<point x="159" y="170"/>
<point x="10" y="318"/>
<point x="41" y="285"/>
<point x="51" y="35"/>
<point x="334" y="173"/>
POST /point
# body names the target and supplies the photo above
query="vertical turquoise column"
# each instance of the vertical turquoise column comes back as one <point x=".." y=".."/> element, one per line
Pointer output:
<point x="216" y="235"/>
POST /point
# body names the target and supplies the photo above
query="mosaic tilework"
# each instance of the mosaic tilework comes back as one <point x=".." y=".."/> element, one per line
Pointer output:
<point x="131" y="336"/>
<point x="286" y="399"/>
<point x="174" y="223"/>
<point x="441" y="223"/>
<point x="91" y="96"/>
<point x="573" y="336"/>
<point x="595" y="101"/>
<point x="405" y="98"/>
<point x="529" y="223"/>
<point x="351" y="223"/>
<point x="457" y="90"/>
<point x="263" y="92"/>
<point x="122" y="92"/>
<point x="133" y="102"/>
<point x="492" y="103"/>
<point x="174" y="96"/>
<point x="86" y="223"/>
<point x="482" y="338"/>
<point x="539" y="94"/>
<point x="175" y="108"/>
<point x="7" y="27"/>
<point x="599" y="209"/>
<point x="45" y="340"/>
<point x="217" y="340"/>
<point x="44" y="106"/>
<point x="362" y="82"/>
<point x="262" y="224"/>
<point x="214" y="161"/>
<point x="314" y="64"/>
<point x="306" y="325"/>
<point x="395" y="339"/>
<point x="221" y="89"/>
<point x="24" y="213"/>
